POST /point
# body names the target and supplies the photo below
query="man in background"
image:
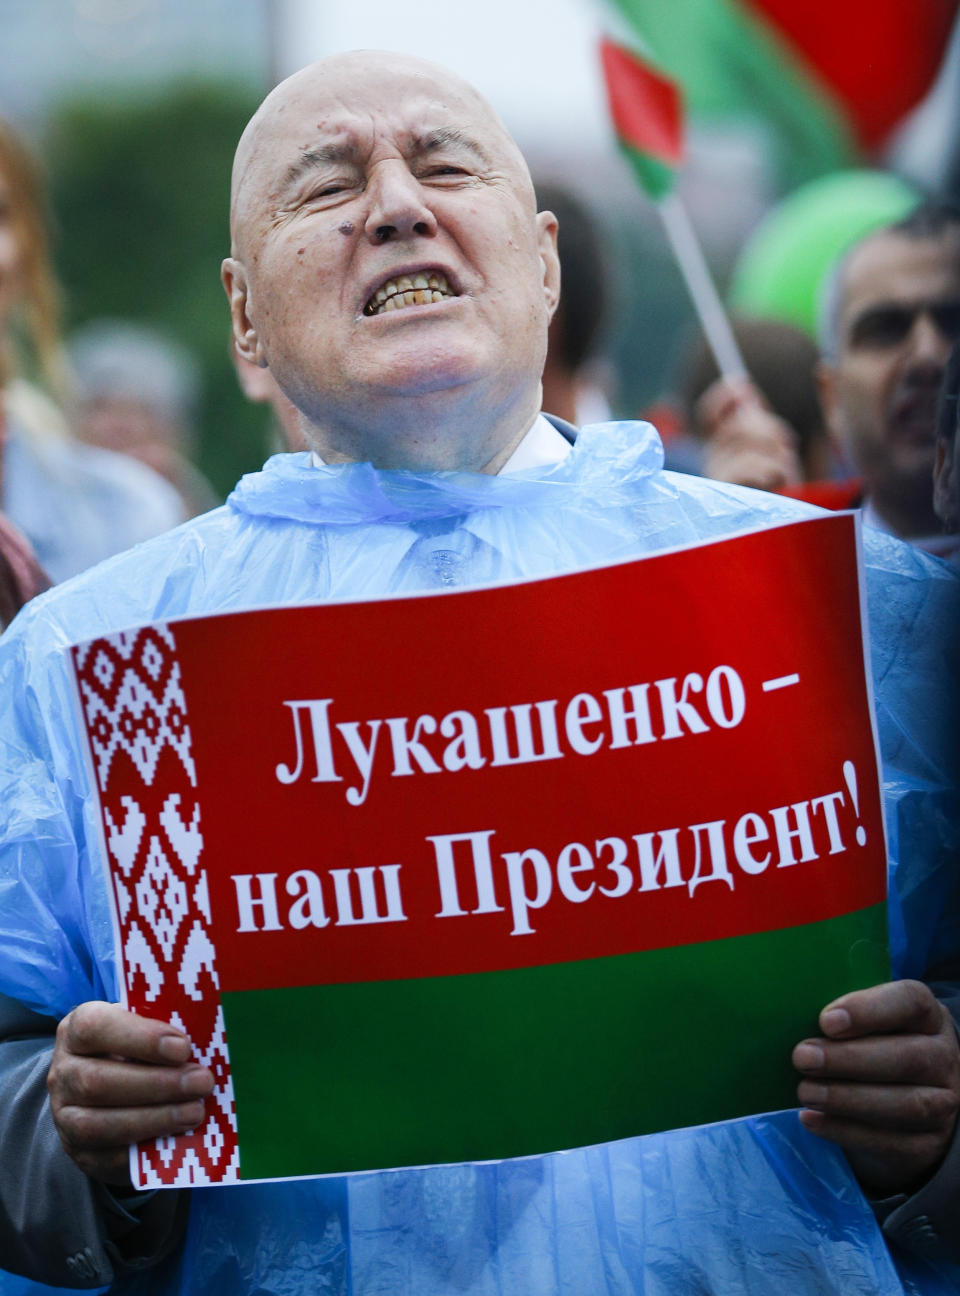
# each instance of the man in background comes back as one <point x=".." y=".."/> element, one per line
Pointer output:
<point x="570" y="387"/>
<point x="891" y="314"/>
<point x="137" y="394"/>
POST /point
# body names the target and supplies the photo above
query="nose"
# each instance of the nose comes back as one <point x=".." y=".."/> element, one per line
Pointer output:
<point x="928" y="342"/>
<point x="398" y="207"/>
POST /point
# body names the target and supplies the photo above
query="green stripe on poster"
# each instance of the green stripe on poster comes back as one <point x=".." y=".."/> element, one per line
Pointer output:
<point x="445" y="1069"/>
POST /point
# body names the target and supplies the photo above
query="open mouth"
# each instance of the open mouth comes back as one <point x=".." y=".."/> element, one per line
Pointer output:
<point x="420" y="289"/>
<point x="914" y="415"/>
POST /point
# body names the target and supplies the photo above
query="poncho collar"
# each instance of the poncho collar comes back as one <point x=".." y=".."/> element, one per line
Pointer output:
<point x="605" y="455"/>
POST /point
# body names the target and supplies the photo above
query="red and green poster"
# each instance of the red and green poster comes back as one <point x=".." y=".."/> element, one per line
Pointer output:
<point x="494" y="872"/>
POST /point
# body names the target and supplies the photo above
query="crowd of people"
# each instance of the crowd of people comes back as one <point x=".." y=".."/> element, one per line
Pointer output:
<point x="356" y="175"/>
<point x="891" y="313"/>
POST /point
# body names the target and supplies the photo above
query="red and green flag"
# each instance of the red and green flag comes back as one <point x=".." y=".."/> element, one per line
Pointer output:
<point x="646" y="110"/>
<point x="830" y="81"/>
<point x="495" y="872"/>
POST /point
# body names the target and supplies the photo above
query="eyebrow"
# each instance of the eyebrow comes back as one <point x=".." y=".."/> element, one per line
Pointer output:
<point x="875" y="308"/>
<point x="911" y="306"/>
<point x="311" y="158"/>
<point x="446" y="137"/>
<point x="421" y="144"/>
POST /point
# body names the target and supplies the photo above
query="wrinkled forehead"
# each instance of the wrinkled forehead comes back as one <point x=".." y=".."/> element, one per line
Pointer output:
<point x="353" y="102"/>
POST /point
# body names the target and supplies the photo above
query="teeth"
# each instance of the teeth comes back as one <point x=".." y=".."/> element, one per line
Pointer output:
<point x="409" y="290"/>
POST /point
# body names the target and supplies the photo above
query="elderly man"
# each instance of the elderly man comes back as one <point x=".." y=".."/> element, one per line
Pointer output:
<point x="390" y="269"/>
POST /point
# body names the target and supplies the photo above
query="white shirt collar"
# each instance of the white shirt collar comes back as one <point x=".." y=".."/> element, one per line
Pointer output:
<point x="542" y="446"/>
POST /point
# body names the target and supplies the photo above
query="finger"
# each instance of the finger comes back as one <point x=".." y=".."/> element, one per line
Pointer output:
<point x="103" y="1082"/>
<point x="111" y="1167"/>
<point x="894" y="1006"/>
<point x="101" y="1029"/>
<point x="894" y="1107"/>
<point x="747" y="468"/>
<point x="759" y="435"/>
<point x="92" y="1129"/>
<point x="765" y="430"/>
<point x="920" y="1149"/>
<point x="716" y="404"/>
<point x="881" y="1059"/>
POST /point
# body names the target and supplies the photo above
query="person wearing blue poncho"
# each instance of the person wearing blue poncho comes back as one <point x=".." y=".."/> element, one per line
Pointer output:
<point x="389" y="267"/>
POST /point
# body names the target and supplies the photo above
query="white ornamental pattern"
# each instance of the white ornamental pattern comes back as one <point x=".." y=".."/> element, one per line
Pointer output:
<point x="136" y="718"/>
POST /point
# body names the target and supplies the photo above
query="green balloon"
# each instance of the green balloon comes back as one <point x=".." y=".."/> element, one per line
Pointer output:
<point x="786" y="260"/>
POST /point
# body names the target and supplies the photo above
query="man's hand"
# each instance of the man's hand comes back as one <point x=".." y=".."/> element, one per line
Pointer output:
<point x="746" y="443"/>
<point x="118" y="1079"/>
<point x="884" y="1083"/>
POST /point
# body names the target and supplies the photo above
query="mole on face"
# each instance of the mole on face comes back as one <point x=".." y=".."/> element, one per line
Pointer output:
<point x="346" y="227"/>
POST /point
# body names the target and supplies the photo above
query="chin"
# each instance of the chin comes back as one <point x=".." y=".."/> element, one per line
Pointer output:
<point x="914" y="458"/>
<point x="422" y="375"/>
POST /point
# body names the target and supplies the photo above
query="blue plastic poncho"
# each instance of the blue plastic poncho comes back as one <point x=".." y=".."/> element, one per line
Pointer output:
<point x="748" y="1206"/>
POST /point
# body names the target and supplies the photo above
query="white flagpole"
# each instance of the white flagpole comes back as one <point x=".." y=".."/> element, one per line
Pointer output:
<point x="706" y="299"/>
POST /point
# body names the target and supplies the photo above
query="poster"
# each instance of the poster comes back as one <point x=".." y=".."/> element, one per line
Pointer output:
<point x="494" y="872"/>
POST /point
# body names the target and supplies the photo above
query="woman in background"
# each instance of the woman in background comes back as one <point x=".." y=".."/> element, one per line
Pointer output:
<point x="75" y="504"/>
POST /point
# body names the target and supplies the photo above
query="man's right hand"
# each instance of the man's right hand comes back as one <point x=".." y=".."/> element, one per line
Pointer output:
<point x="118" y="1079"/>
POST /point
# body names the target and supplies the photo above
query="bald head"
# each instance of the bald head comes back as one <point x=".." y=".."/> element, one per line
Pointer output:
<point x="389" y="265"/>
<point x="332" y="83"/>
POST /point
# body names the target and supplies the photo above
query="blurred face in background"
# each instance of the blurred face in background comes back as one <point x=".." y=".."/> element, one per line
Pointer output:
<point x="900" y="313"/>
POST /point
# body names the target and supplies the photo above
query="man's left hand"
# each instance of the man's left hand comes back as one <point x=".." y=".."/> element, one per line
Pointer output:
<point x="884" y="1083"/>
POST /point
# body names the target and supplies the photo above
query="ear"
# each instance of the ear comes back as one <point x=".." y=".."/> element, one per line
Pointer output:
<point x="825" y="375"/>
<point x="549" y="258"/>
<point x="245" y="338"/>
<point x="256" y="384"/>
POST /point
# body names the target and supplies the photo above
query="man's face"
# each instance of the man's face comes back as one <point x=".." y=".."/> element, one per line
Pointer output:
<point x="386" y="242"/>
<point x="900" y="311"/>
